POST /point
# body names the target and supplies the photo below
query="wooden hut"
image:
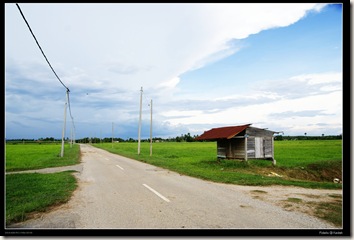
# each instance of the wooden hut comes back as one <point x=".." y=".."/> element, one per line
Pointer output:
<point x="242" y="142"/>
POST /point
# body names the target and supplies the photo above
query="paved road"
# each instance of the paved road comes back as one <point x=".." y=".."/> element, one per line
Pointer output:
<point x="116" y="192"/>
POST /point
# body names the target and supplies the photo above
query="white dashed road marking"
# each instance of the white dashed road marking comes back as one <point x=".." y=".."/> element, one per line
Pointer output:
<point x="120" y="167"/>
<point x="157" y="193"/>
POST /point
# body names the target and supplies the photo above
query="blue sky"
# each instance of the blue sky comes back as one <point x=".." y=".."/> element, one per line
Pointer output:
<point x="277" y="66"/>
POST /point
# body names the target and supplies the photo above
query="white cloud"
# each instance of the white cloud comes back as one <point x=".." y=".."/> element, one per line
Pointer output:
<point x="287" y="112"/>
<point x="147" y="44"/>
<point x="172" y="83"/>
<point x="105" y="52"/>
<point x="322" y="78"/>
<point x="180" y="114"/>
<point x="240" y="20"/>
<point x="302" y="85"/>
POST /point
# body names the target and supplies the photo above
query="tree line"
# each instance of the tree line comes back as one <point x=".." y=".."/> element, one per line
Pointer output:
<point x="182" y="138"/>
<point x="294" y="138"/>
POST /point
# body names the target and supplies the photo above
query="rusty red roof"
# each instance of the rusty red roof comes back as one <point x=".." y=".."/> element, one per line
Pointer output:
<point x="222" y="132"/>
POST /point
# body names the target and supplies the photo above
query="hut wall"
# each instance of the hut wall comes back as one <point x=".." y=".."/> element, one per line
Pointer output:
<point x="268" y="147"/>
<point x="251" y="153"/>
<point x="232" y="148"/>
<point x="260" y="147"/>
<point x="259" y="143"/>
<point x="258" y="132"/>
<point x="222" y="146"/>
<point x="237" y="146"/>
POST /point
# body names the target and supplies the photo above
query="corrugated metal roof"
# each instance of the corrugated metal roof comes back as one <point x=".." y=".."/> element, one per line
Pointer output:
<point x="222" y="132"/>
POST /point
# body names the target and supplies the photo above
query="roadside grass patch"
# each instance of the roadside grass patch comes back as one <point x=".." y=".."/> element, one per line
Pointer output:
<point x="309" y="195"/>
<point x="20" y="157"/>
<point x="294" y="200"/>
<point x="258" y="191"/>
<point x="306" y="163"/>
<point x="34" y="192"/>
<point x="336" y="196"/>
<point x="329" y="211"/>
<point x="288" y="206"/>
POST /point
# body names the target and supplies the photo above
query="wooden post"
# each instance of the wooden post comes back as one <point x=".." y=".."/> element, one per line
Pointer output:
<point x="274" y="162"/>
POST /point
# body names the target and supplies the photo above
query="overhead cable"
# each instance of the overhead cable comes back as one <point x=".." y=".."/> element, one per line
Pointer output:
<point x="41" y="48"/>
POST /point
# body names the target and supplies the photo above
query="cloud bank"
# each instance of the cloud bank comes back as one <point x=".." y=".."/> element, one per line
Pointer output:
<point x="105" y="52"/>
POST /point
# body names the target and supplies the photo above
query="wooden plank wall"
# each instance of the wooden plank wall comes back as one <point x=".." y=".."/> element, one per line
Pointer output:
<point x="235" y="147"/>
<point x="268" y="147"/>
<point x="232" y="148"/>
<point x="258" y="132"/>
<point x="250" y="147"/>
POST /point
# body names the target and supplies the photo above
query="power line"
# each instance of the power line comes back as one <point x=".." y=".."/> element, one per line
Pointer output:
<point x="23" y="16"/>
<point x="67" y="89"/>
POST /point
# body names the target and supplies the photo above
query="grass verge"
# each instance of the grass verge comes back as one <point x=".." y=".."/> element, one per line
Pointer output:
<point x="34" y="192"/>
<point x="331" y="212"/>
<point x="20" y="157"/>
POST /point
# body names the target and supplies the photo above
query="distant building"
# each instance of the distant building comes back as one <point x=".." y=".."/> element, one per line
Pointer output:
<point x="242" y="142"/>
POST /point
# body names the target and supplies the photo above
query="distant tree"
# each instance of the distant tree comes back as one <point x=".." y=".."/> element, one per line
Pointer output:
<point x="188" y="138"/>
<point x="278" y="137"/>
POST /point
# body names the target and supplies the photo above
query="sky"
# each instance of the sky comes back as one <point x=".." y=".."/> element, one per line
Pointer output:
<point x="276" y="66"/>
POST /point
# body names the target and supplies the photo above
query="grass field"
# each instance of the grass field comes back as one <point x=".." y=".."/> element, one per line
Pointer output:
<point x="29" y="156"/>
<point x="311" y="164"/>
<point x="298" y="153"/>
<point x="34" y="192"/>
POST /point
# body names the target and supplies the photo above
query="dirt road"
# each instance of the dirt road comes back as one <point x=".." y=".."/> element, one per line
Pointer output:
<point x="120" y="193"/>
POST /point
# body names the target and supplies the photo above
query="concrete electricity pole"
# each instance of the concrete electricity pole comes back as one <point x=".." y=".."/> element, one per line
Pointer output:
<point x="139" y="132"/>
<point x="112" y="134"/>
<point x="151" y="128"/>
<point x="64" y="126"/>
<point x="71" y="134"/>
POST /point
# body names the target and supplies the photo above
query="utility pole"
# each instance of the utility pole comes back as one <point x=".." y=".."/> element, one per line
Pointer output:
<point x="71" y="135"/>
<point x="64" y="126"/>
<point x="72" y="132"/>
<point x="151" y="128"/>
<point x="74" y="135"/>
<point x="112" y="134"/>
<point x="139" y="132"/>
